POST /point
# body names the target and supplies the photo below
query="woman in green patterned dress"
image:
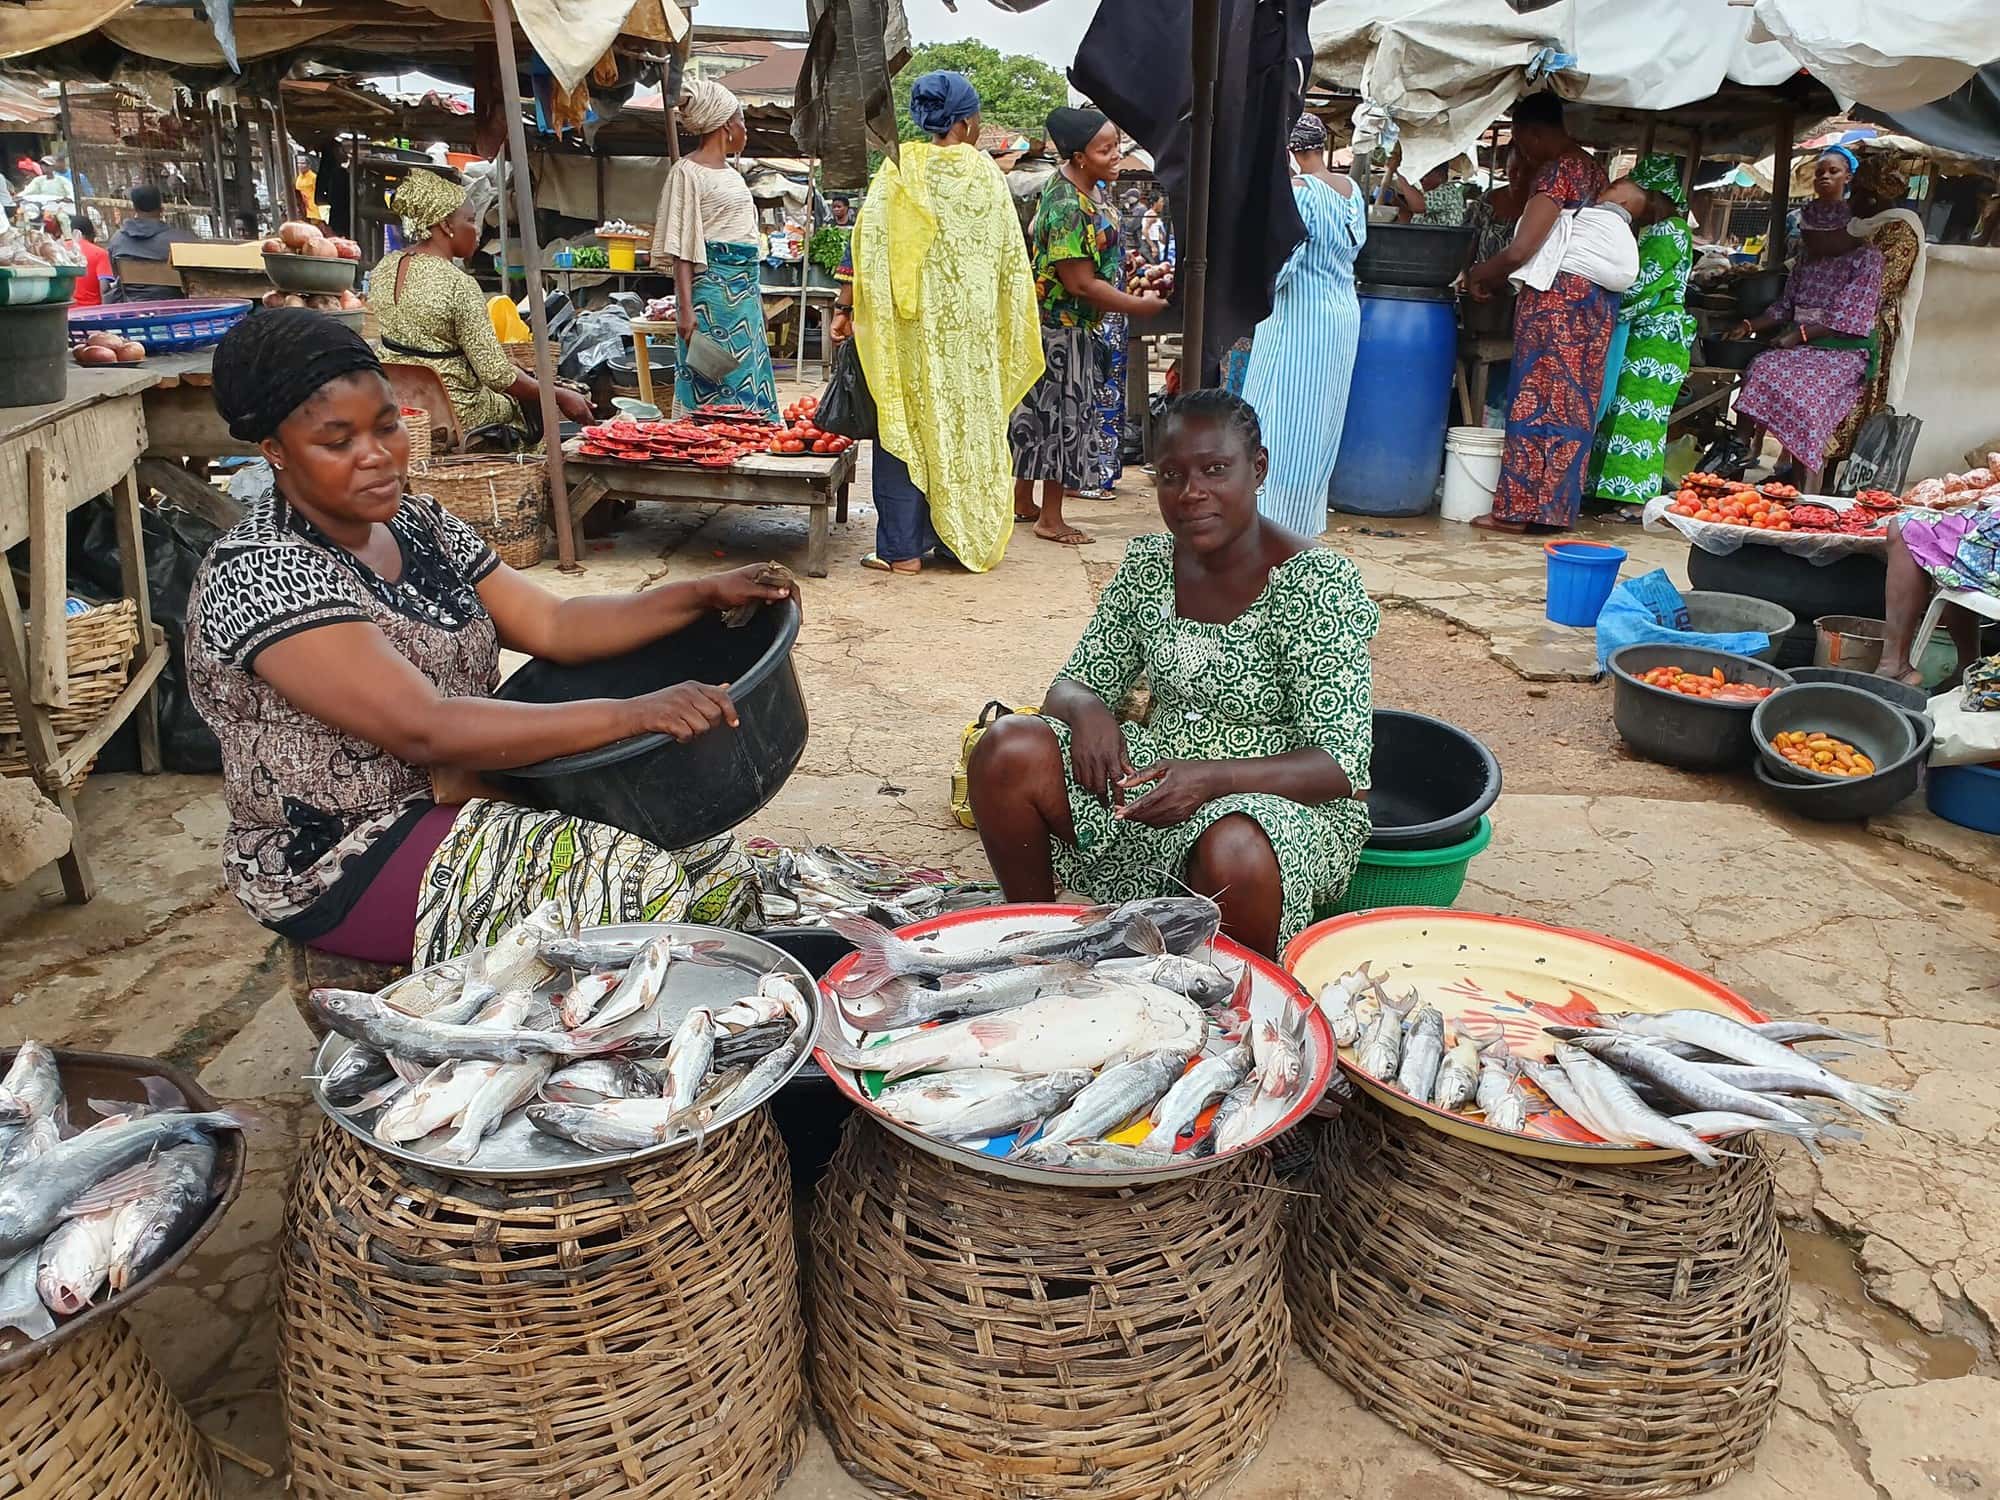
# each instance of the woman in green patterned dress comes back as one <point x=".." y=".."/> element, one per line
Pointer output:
<point x="1243" y="782"/>
<point x="1631" y="449"/>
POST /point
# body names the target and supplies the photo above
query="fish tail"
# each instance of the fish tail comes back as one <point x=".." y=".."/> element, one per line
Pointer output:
<point x="704" y="951"/>
<point x="1878" y="1104"/>
<point x="881" y="956"/>
<point x="879" y="1010"/>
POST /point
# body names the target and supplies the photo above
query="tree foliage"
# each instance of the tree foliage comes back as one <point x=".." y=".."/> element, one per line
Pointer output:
<point x="1014" y="91"/>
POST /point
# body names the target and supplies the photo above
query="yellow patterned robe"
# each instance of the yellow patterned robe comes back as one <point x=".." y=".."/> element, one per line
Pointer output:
<point x="945" y="321"/>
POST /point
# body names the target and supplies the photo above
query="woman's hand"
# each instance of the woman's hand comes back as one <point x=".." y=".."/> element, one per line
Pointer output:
<point x="574" y="405"/>
<point x="1742" y="330"/>
<point x="1180" y="788"/>
<point x="684" y="318"/>
<point x="758" y="583"/>
<point x="687" y="709"/>
<point x="1097" y="757"/>
<point x="843" y="323"/>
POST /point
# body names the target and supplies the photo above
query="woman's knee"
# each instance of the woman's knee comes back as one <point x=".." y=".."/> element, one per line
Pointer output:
<point x="1233" y="852"/>
<point x="1020" y="751"/>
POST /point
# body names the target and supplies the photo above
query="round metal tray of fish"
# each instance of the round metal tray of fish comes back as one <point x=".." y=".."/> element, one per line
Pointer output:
<point x="713" y="969"/>
<point x="1565" y="1045"/>
<point x="1163" y="1048"/>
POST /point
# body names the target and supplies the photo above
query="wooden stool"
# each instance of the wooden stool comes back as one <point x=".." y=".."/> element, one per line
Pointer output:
<point x="634" y="1332"/>
<point x="1549" y="1327"/>
<point x="89" y="1416"/>
<point x="978" y="1337"/>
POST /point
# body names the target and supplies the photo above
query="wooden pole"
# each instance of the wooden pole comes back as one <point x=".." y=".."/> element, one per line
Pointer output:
<point x="221" y="192"/>
<point x="69" y="151"/>
<point x="1207" y="40"/>
<point x="288" y="167"/>
<point x="1781" y="189"/>
<point x="531" y="261"/>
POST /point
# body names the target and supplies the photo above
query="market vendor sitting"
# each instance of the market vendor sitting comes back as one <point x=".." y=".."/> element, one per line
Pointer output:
<point x="431" y="313"/>
<point x="1242" y="782"/>
<point x="343" y="642"/>
<point x="1938" y="545"/>
<point x="1802" y="388"/>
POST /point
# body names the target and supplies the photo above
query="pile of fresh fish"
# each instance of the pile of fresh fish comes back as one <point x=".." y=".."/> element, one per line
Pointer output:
<point x="1104" y="1044"/>
<point x="806" y="887"/>
<point x="83" y="1209"/>
<point x="582" y="1033"/>
<point x="1679" y="1079"/>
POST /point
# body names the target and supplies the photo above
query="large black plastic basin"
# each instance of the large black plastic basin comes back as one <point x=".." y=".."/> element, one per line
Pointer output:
<point x="1430" y="782"/>
<point x="1697" y="734"/>
<point x="670" y="793"/>
<point x="1413" y="254"/>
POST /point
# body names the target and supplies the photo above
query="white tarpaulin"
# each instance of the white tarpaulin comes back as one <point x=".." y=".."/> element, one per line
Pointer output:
<point x="1444" y="70"/>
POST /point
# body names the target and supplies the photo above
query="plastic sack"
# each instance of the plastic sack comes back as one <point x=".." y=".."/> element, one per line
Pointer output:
<point x="846" y="406"/>
<point x="592" y="342"/>
<point x="1965" y="737"/>
<point x="1649" y="610"/>
<point x="1682" y="456"/>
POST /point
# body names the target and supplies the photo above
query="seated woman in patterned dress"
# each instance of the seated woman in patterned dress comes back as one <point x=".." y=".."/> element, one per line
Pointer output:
<point x="343" y="642"/>
<point x="1243" y="782"/>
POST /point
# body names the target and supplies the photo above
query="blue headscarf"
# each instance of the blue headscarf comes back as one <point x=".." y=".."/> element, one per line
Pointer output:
<point x="1853" y="161"/>
<point x="940" y="100"/>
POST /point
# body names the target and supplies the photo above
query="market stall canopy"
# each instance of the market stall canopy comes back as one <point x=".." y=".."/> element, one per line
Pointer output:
<point x="1966" y="121"/>
<point x="1444" y="70"/>
<point x="569" y="35"/>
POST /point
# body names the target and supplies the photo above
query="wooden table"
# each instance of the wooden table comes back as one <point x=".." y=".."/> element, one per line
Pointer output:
<point x="818" y="483"/>
<point x="53" y="459"/>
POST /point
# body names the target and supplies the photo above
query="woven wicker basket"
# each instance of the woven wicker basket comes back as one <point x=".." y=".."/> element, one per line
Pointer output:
<point x="101" y="642"/>
<point x="92" y="1418"/>
<point x="976" y="1337"/>
<point x="500" y="497"/>
<point x="522" y="352"/>
<point x="633" y="1333"/>
<point x="1552" y="1328"/>
<point x="417" y="422"/>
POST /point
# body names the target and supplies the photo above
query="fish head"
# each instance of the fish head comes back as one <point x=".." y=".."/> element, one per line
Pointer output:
<point x="343" y="1005"/>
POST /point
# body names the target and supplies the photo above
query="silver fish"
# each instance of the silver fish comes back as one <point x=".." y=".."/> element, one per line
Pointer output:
<point x="1498" y="1092"/>
<point x="1099" y="1156"/>
<point x="1808" y="1133"/>
<point x="600" y="1078"/>
<point x="355" y="1072"/>
<point x="1380" y="1050"/>
<point x="614" y="1125"/>
<point x="1192" y="1092"/>
<point x="432" y="1103"/>
<point x="1728" y="1038"/>
<point x="647" y="977"/>
<point x="904" y="1002"/>
<point x="1178" y="924"/>
<point x="1243" y="1118"/>
<point x="573" y="950"/>
<point x="1423" y="1053"/>
<point x="1340" y="1003"/>
<point x="21" y="1305"/>
<point x="1276" y="1052"/>
<point x="29" y="1141"/>
<point x="577" y="1004"/>
<point x="437" y="993"/>
<point x="35" y="1196"/>
<point x="507" y="1087"/>
<point x="764" y="1076"/>
<point x="978" y="1103"/>
<point x="1197" y="978"/>
<point x="1806" y="1079"/>
<point x="166" y="1204"/>
<point x="1457" y="1076"/>
<point x="32" y="1087"/>
<point x="777" y="997"/>
<point x="75" y="1261"/>
<point x="514" y="962"/>
<point x="418" y="1039"/>
<point x="1691" y="1083"/>
<point x="1110" y="1099"/>
<point x="1043" y="1036"/>
<point x="1618" y="1114"/>
<point x="1790" y="1033"/>
<point x="689" y="1058"/>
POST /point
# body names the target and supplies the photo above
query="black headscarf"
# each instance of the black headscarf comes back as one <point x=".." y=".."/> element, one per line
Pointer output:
<point x="1072" y="129"/>
<point x="271" y="363"/>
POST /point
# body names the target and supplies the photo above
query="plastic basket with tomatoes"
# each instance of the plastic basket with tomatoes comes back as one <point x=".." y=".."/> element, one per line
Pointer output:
<point x="1709" y="684"/>
<point x="1745" y="506"/>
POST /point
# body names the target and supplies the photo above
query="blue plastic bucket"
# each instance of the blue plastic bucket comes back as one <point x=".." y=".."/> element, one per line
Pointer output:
<point x="1581" y="577"/>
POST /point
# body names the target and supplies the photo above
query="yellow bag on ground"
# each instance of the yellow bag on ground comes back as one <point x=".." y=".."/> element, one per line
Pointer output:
<point x="961" y="790"/>
<point x="506" y="321"/>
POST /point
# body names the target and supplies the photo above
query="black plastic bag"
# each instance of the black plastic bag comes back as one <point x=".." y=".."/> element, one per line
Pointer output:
<point x="1881" y="457"/>
<point x="846" y="406"/>
<point x="175" y="542"/>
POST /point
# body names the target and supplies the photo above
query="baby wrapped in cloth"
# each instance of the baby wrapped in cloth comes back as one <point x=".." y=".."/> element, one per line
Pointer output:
<point x="1599" y="243"/>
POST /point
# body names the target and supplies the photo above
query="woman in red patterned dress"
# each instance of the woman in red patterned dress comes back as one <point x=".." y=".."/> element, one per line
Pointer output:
<point x="1560" y="336"/>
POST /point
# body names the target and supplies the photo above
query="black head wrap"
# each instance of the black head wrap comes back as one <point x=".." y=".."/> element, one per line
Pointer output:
<point x="271" y="363"/>
<point x="1309" y="134"/>
<point x="1073" y="129"/>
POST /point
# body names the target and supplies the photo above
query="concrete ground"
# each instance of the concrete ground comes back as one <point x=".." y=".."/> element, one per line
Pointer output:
<point x="1893" y="1387"/>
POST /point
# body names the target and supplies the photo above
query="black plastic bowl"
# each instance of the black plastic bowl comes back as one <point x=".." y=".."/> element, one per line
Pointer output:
<point x="1874" y="726"/>
<point x="1430" y="782"/>
<point x="1857" y="797"/>
<point x="1413" y="254"/>
<point x="1696" y="734"/>
<point x="670" y="793"/>
<point x="1899" y="693"/>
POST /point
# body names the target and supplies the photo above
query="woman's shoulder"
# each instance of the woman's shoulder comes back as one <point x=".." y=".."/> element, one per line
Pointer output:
<point x="1315" y="570"/>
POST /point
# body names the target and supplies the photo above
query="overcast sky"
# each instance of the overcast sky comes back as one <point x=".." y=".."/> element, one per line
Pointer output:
<point x="1050" y="32"/>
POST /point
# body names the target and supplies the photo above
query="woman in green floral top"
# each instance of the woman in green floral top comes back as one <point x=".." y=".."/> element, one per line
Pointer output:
<point x="1243" y="781"/>
<point x="1073" y="242"/>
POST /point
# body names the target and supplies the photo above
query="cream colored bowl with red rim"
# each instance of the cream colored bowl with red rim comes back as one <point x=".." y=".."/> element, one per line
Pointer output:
<point x="1512" y="974"/>
<point x="965" y="931"/>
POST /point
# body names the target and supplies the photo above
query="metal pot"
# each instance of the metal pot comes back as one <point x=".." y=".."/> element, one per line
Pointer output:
<point x="1756" y="292"/>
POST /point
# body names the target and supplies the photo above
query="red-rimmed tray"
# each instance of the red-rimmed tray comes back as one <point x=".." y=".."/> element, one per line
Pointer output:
<point x="1510" y="974"/>
<point x="1270" y="985"/>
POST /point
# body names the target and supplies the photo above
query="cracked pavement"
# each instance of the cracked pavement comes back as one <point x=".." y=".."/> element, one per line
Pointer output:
<point x="1892" y="1389"/>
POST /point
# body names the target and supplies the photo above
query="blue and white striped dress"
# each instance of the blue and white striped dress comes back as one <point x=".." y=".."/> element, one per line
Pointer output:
<point x="1303" y="356"/>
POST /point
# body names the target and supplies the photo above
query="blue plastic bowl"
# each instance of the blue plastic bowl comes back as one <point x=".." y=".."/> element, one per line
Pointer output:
<point x="1966" y="795"/>
<point x="1581" y="577"/>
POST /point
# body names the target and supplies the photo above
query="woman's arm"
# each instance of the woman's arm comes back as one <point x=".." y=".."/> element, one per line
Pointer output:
<point x="1181" y="788"/>
<point x="684" y="270"/>
<point x="532" y="620"/>
<point x="472" y="331"/>
<point x="1410" y="200"/>
<point x="1081" y="281"/>
<point x="1537" y="219"/>
<point x="349" y="676"/>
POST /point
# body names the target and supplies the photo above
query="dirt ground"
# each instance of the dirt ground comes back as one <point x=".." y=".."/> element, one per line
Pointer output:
<point x="1892" y="1389"/>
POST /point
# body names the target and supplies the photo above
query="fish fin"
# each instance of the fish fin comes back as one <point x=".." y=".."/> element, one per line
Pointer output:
<point x="1144" y="937"/>
<point x="990" y="1031"/>
<point x="108" y="1110"/>
<point x="881" y="1010"/>
<point x="1239" y="998"/>
<point x="1092" y="914"/>
<point x="704" y="950"/>
<point x="875" y="953"/>
<point x="32" y="1319"/>
<point x="115" y="1191"/>
<point x="375" y="1098"/>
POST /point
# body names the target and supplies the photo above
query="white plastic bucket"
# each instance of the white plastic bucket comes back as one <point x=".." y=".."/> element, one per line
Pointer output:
<point x="1471" y="472"/>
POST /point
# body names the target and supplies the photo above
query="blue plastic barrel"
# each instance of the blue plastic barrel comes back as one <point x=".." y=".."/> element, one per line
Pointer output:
<point x="1392" y="444"/>
<point x="1581" y="577"/>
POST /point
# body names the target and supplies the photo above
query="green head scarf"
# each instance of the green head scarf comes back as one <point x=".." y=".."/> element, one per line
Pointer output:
<point x="1660" y="173"/>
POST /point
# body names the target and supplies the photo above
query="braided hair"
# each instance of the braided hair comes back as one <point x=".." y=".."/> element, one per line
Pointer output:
<point x="1214" y="404"/>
